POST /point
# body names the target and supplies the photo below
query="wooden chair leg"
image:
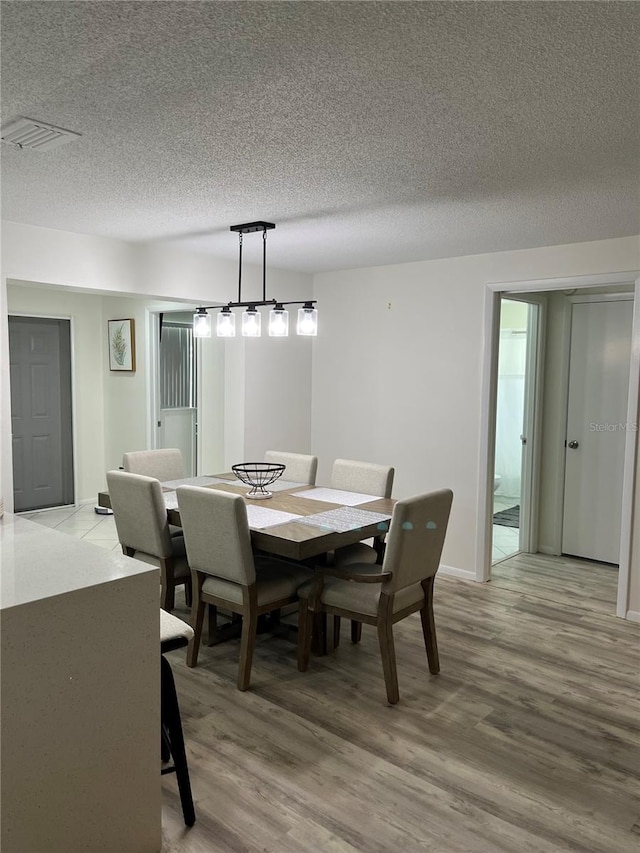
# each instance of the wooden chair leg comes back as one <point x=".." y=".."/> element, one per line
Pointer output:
<point x="336" y="632"/>
<point x="197" y="620"/>
<point x="167" y="585"/>
<point x="429" y="627"/>
<point x="387" y="649"/>
<point x="212" y="624"/>
<point x="356" y="631"/>
<point x="305" y="621"/>
<point x="248" y="637"/>
<point x="188" y="594"/>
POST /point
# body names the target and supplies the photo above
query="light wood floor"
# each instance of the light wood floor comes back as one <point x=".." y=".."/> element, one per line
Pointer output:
<point x="528" y="739"/>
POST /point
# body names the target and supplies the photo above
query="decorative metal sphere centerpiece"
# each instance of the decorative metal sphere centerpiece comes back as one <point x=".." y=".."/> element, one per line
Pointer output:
<point x="258" y="475"/>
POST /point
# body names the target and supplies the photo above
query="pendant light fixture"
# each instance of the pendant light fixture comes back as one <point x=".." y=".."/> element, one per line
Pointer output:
<point x="251" y="318"/>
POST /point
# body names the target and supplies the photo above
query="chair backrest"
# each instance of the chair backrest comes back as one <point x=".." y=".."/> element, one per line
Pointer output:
<point x="140" y="513"/>
<point x="416" y="538"/>
<point x="165" y="464"/>
<point x="216" y="533"/>
<point x="364" y="477"/>
<point x="301" y="468"/>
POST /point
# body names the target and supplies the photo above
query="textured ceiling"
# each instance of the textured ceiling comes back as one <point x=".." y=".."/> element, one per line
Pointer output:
<point x="370" y="133"/>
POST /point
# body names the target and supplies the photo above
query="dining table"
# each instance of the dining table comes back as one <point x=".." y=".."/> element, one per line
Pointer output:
<point x="299" y="521"/>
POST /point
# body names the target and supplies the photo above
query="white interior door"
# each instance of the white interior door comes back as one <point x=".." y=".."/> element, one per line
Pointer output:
<point x="596" y="428"/>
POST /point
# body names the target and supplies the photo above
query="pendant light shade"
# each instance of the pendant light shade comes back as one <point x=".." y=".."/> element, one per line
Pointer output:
<point x="226" y="323"/>
<point x="278" y="321"/>
<point x="307" y="320"/>
<point x="201" y="324"/>
<point x="251" y="323"/>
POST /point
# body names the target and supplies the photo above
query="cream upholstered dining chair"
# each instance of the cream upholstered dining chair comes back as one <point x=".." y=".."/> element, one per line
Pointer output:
<point x="300" y="468"/>
<point x="403" y="585"/>
<point x="163" y="464"/>
<point x="143" y="531"/>
<point x="368" y="478"/>
<point x="226" y="573"/>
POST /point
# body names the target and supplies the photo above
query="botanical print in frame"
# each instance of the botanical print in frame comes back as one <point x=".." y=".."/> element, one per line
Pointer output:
<point x="122" y="345"/>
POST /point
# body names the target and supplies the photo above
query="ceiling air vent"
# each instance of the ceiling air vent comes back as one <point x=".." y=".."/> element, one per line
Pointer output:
<point x="35" y="135"/>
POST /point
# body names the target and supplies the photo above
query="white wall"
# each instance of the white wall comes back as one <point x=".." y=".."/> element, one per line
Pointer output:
<point x="125" y="394"/>
<point x="117" y="270"/>
<point x="397" y="372"/>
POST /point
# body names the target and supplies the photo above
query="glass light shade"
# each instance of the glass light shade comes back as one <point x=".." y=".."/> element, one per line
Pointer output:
<point x="226" y="324"/>
<point x="201" y="324"/>
<point x="251" y="323"/>
<point x="307" y="321"/>
<point x="278" y="322"/>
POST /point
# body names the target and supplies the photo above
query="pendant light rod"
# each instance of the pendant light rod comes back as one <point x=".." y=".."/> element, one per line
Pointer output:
<point x="264" y="264"/>
<point x="239" y="266"/>
<point x="249" y="228"/>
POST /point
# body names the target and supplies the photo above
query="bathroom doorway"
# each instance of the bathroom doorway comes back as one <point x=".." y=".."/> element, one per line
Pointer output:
<point x="518" y="388"/>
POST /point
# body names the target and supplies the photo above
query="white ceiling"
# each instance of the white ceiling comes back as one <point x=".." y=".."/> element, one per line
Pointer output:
<point x="370" y="133"/>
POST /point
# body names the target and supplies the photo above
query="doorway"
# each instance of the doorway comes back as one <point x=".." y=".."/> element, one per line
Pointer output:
<point x="551" y="499"/>
<point x="41" y="416"/>
<point x="177" y="418"/>
<point x="517" y="442"/>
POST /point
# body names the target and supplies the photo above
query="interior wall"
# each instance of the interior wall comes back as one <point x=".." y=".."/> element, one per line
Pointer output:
<point x="284" y="388"/>
<point x="212" y="405"/>
<point x="112" y="269"/>
<point x="125" y="394"/>
<point x="397" y="370"/>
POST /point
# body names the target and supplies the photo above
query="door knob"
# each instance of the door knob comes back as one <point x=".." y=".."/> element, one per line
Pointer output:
<point x="574" y="444"/>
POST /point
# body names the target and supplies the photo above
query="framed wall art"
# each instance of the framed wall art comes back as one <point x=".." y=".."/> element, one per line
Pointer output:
<point x="122" y="345"/>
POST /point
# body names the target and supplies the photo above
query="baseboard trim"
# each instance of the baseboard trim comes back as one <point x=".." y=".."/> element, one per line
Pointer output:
<point x="633" y="615"/>
<point x="453" y="572"/>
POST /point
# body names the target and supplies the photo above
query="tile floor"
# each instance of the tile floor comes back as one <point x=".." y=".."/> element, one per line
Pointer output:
<point x="505" y="539"/>
<point x="84" y="523"/>
<point x="80" y="521"/>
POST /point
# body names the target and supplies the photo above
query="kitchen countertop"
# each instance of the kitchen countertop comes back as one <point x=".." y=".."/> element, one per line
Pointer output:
<point x="37" y="563"/>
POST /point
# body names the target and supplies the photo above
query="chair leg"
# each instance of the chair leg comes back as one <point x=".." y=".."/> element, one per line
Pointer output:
<point x="387" y="649"/>
<point x="429" y="627"/>
<point x="170" y="713"/>
<point x="336" y="632"/>
<point x="305" y="621"/>
<point x="212" y="624"/>
<point x="188" y="594"/>
<point x="167" y="584"/>
<point x="248" y="637"/>
<point x="356" y="631"/>
<point x="198" y="621"/>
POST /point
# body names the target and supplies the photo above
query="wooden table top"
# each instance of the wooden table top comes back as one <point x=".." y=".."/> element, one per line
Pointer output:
<point x="293" y="539"/>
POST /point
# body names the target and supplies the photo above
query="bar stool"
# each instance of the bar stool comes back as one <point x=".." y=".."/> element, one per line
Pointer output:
<point x="174" y="634"/>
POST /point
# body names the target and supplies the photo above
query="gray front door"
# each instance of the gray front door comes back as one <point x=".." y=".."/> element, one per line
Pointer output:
<point x="41" y="424"/>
